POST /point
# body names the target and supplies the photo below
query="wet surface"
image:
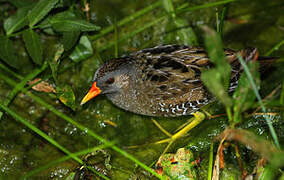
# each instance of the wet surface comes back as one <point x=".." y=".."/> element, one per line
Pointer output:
<point x="256" y="24"/>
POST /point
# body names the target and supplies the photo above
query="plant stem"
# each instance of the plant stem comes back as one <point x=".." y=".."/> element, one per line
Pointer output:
<point x="210" y="165"/>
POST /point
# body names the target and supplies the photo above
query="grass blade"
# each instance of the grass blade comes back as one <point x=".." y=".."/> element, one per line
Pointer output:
<point x="43" y="135"/>
<point x="21" y="85"/>
<point x="11" y="72"/>
<point x="79" y="126"/>
<point x="276" y="47"/>
<point x="203" y="6"/>
<point x="38" y="131"/>
<point x="126" y="20"/>
<point x="220" y="22"/>
<point x="268" y="120"/>
<point x="244" y="96"/>
<point x="146" y="26"/>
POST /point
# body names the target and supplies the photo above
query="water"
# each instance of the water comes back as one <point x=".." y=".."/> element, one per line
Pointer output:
<point x="249" y="23"/>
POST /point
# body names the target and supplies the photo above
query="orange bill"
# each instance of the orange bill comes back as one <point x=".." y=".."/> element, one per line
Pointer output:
<point x="93" y="92"/>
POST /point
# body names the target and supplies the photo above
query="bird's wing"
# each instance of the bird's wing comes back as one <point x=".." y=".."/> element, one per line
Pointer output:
<point x="172" y="73"/>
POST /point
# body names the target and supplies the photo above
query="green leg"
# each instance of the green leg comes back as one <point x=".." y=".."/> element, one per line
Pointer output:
<point x="198" y="118"/>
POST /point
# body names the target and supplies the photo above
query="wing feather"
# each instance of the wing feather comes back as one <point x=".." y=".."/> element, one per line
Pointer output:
<point x="173" y="74"/>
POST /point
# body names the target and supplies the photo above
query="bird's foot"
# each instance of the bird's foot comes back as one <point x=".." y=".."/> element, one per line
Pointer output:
<point x="198" y="118"/>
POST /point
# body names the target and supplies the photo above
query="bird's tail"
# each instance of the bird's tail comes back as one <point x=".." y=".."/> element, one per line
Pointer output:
<point x="252" y="54"/>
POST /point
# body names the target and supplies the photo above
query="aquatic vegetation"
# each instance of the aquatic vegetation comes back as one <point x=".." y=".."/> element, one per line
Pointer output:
<point x="60" y="44"/>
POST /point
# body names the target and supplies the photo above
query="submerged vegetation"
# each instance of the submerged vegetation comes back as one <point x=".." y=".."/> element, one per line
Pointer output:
<point x="50" y="49"/>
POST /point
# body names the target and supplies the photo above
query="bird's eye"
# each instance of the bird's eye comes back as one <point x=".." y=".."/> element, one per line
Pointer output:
<point x="109" y="81"/>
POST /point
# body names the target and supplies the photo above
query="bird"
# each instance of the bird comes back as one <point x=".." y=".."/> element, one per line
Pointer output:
<point x="162" y="81"/>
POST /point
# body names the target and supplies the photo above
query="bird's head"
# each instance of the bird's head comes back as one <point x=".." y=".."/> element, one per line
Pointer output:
<point x="112" y="77"/>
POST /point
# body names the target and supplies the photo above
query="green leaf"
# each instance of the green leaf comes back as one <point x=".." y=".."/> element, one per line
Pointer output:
<point x="33" y="45"/>
<point x="64" y="15"/>
<point x="54" y="60"/>
<point x="70" y="39"/>
<point x="44" y="24"/>
<point x="7" y="52"/>
<point x="46" y="27"/>
<point x="40" y="10"/>
<point x="218" y="78"/>
<point x="216" y="53"/>
<point x="215" y="48"/>
<point x="244" y="96"/>
<point x="17" y="21"/>
<point x="83" y="50"/>
<point x="212" y="79"/>
<point x="66" y="96"/>
<point x="67" y="22"/>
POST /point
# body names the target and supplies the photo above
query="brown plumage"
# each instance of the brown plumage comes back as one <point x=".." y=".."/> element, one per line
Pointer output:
<point x="162" y="81"/>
